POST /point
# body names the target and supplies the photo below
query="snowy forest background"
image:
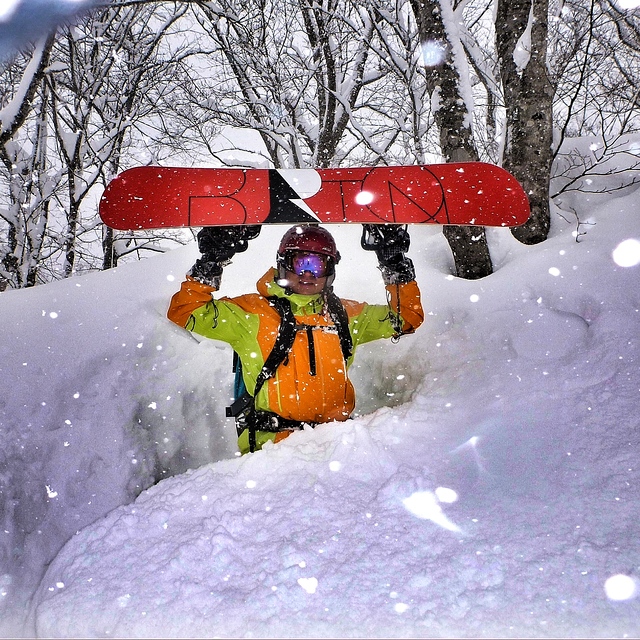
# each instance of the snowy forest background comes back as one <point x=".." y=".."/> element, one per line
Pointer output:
<point x="300" y="84"/>
<point x="547" y="89"/>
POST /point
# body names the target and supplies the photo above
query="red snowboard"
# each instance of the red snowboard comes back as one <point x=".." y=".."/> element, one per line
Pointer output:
<point x="470" y="193"/>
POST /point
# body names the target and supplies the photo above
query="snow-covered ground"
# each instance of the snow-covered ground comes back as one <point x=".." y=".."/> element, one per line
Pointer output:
<point x="487" y="488"/>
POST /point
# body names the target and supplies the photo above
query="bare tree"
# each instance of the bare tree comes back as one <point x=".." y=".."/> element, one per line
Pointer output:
<point x="109" y="71"/>
<point x="521" y="41"/>
<point x="443" y="53"/>
<point x="23" y="151"/>
<point x="477" y="36"/>
<point x="402" y="99"/>
<point x="293" y="70"/>
<point x="72" y="110"/>
<point x="313" y="79"/>
<point x="596" y="64"/>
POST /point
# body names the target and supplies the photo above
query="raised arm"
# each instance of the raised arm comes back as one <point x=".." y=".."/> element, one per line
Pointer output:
<point x="217" y="245"/>
<point x="391" y="243"/>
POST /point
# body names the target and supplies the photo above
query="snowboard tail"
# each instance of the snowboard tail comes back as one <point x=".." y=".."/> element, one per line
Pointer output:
<point x="470" y="193"/>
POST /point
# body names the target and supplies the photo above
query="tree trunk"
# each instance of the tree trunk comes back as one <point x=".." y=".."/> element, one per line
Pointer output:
<point x="73" y="216"/>
<point x="529" y="108"/>
<point x="25" y="173"/>
<point x="468" y="244"/>
<point x="470" y="251"/>
<point x="109" y="258"/>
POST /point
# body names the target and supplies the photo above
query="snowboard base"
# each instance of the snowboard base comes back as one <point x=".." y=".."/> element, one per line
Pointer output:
<point x="471" y="193"/>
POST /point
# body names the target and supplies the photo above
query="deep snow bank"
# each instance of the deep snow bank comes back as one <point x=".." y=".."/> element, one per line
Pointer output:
<point x="526" y="411"/>
<point x="103" y="397"/>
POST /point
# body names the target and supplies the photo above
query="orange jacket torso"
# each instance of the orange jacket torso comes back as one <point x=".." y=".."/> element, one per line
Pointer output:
<point x="312" y="384"/>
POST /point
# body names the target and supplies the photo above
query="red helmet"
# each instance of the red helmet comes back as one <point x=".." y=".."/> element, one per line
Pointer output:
<point x="311" y="238"/>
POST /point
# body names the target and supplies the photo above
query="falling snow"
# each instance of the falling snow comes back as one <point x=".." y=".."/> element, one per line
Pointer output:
<point x="487" y="487"/>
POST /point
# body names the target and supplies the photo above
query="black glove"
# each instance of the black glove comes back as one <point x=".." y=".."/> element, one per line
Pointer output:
<point x="217" y="246"/>
<point x="390" y="242"/>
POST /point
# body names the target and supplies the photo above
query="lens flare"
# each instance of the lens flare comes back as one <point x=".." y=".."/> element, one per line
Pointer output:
<point x="627" y="253"/>
<point x="424" y="505"/>
<point x="434" y="53"/>
<point x="7" y="9"/>
<point x="364" y="198"/>
<point x="620" y="587"/>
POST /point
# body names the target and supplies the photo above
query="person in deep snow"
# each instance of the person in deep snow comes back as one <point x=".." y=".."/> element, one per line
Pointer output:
<point x="295" y="339"/>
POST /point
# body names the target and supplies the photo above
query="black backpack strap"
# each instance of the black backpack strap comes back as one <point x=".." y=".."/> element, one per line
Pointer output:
<point x="338" y="314"/>
<point x="281" y="347"/>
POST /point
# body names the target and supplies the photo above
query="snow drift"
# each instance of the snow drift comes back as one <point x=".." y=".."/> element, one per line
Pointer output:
<point x="487" y="486"/>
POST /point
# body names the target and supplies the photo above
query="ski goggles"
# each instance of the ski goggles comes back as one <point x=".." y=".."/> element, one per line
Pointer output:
<point x="315" y="263"/>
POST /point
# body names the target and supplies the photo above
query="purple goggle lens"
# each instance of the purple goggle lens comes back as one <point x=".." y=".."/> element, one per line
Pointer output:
<point x="312" y="262"/>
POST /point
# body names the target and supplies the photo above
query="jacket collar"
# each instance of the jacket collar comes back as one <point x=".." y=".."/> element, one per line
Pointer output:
<point x="300" y="304"/>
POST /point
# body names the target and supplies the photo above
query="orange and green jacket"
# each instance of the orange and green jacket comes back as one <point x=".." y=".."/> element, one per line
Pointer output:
<point x="250" y="325"/>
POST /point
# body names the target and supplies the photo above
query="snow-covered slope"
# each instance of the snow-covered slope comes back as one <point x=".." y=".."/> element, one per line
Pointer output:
<point x="488" y="486"/>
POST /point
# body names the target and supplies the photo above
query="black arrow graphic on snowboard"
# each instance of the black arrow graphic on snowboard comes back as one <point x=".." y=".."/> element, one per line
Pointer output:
<point x="283" y="208"/>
